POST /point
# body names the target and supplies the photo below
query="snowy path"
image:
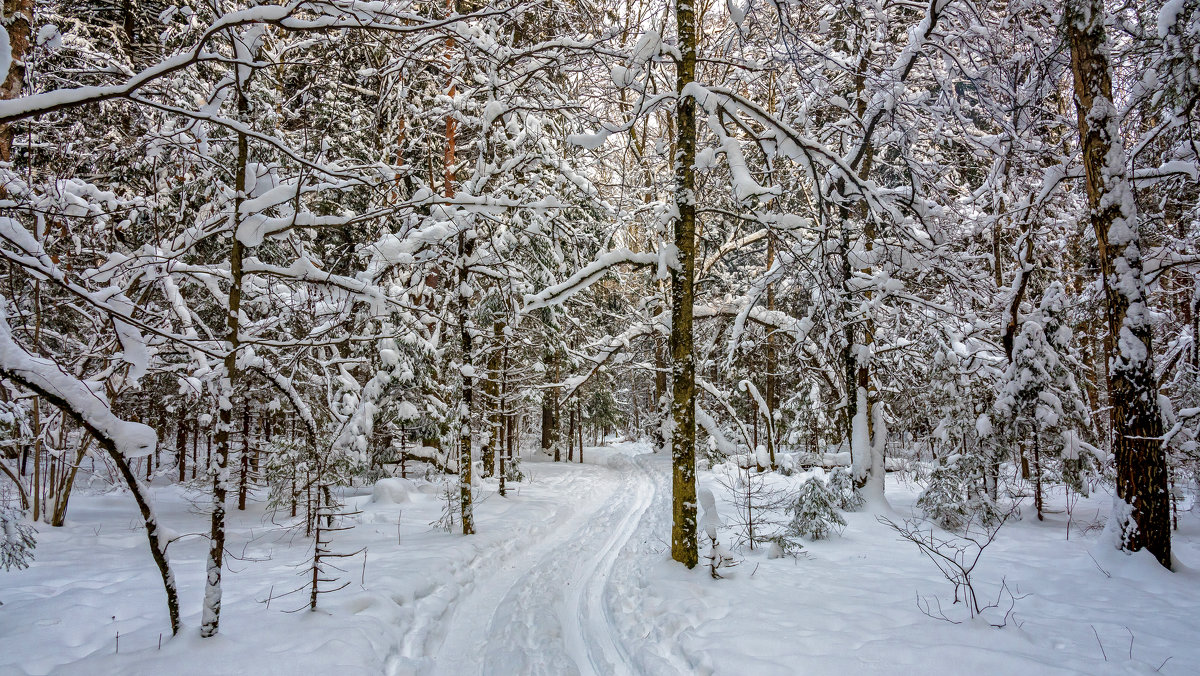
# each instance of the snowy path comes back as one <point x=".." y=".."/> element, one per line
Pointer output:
<point x="572" y="575"/>
<point x="544" y="609"/>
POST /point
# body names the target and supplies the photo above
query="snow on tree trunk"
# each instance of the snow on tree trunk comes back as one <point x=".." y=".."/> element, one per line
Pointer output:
<point x="866" y="453"/>
<point x="1141" y="514"/>
<point x="17" y="20"/>
<point x="468" y="394"/>
<point x="219" y="469"/>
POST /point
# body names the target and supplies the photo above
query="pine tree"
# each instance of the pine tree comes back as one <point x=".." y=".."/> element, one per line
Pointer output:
<point x="815" y="512"/>
<point x="1142" y="515"/>
<point x="841" y="482"/>
<point x="1039" y="404"/>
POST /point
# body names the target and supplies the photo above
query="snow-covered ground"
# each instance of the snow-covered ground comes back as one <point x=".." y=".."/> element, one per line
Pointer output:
<point x="571" y="574"/>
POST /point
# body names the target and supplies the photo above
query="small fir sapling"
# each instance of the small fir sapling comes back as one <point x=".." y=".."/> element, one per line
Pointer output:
<point x="955" y="495"/>
<point x="512" y="470"/>
<point x="756" y="505"/>
<point x="1039" y="401"/>
<point x="841" y="482"/>
<point x="942" y="500"/>
<point x="815" y="511"/>
<point x="784" y="544"/>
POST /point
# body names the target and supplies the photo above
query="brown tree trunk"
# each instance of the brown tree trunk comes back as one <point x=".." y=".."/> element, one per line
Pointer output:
<point x="683" y="369"/>
<point x="571" y="436"/>
<point x="505" y="421"/>
<point x="195" y="446"/>
<point x="18" y="21"/>
<point x="495" y="405"/>
<point x="1143" y="517"/>
<point x="1037" y="477"/>
<point x="660" y="390"/>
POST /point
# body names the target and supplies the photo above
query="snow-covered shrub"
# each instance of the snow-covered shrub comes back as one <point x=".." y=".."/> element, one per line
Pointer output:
<point x="392" y="491"/>
<point x="16" y="539"/>
<point x="449" y="490"/>
<point x="718" y="555"/>
<point x="815" y="511"/>
<point x="954" y="495"/>
<point x="785" y="463"/>
<point x="512" y="471"/>
<point x="841" y="482"/>
<point x="942" y="500"/>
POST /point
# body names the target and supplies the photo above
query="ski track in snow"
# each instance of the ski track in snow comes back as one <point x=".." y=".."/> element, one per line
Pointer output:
<point x="543" y="607"/>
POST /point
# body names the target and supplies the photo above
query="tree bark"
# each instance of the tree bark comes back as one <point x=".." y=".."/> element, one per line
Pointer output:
<point x="571" y="436"/>
<point x="466" y="246"/>
<point x="1141" y="515"/>
<point x="244" y="478"/>
<point x="219" y="469"/>
<point x="683" y="373"/>
<point x="494" y="400"/>
<point x="505" y="421"/>
<point x="772" y="362"/>
<point x="18" y="22"/>
<point x="181" y="445"/>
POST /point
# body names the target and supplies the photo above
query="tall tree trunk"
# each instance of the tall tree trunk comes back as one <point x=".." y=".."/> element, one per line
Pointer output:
<point x="550" y="419"/>
<point x="1141" y="515"/>
<point x="547" y="423"/>
<point x="571" y="436"/>
<point x="660" y="391"/>
<point x="195" y="446"/>
<point x="244" y="476"/>
<point x="37" y="458"/>
<point x="181" y="445"/>
<point x="466" y="247"/>
<point x="494" y="400"/>
<point x="505" y="421"/>
<point x="772" y="361"/>
<point x="683" y="373"/>
<point x="219" y="469"/>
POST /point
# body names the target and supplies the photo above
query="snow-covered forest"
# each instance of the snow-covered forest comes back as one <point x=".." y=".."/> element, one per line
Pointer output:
<point x="599" y="336"/>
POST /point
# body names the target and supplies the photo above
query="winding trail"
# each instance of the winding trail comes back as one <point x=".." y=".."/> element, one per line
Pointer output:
<point x="545" y="607"/>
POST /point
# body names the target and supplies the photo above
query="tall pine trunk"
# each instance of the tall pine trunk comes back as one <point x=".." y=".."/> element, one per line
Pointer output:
<point x="1141" y="515"/>
<point x="683" y="369"/>
<point x="494" y="400"/>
